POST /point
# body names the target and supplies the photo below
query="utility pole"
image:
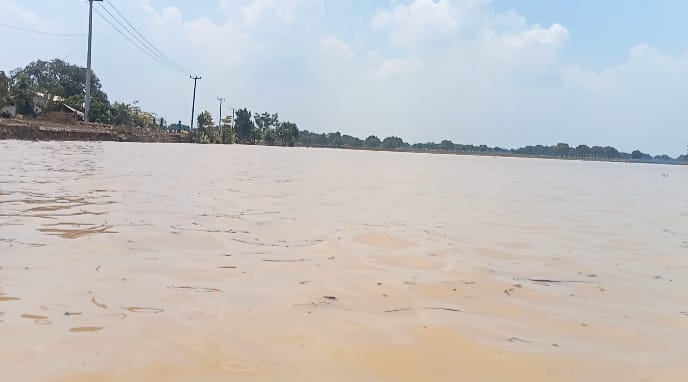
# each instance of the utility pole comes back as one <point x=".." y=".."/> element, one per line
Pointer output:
<point x="221" y="101"/>
<point x="219" y="122"/>
<point x="87" y="101"/>
<point x="193" y="104"/>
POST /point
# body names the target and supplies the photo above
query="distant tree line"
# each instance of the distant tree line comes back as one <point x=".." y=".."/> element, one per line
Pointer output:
<point x="560" y="150"/>
<point x="61" y="82"/>
<point x="245" y="128"/>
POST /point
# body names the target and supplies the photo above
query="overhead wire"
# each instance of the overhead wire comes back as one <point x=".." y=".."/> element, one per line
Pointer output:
<point x="140" y="44"/>
<point x="71" y="52"/>
<point x="143" y="50"/>
<point x="41" y="32"/>
<point x="127" y="30"/>
<point x="145" y="40"/>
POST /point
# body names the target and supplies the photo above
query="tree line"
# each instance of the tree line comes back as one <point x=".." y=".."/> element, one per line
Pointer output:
<point x="58" y="78"/>
<point x="244" y="128"/>
<point x="560" y="150"/>
<point x="66" y="83"/>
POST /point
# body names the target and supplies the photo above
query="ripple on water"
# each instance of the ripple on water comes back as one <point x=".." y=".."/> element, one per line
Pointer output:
<point x="77" y="233"/>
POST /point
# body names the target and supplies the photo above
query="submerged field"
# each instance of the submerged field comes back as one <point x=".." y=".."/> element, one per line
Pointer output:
<point x="154" y="262"/>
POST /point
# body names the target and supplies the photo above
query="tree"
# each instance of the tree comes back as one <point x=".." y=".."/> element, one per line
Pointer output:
<point x="583" y="151"/>
<point x="446" y="145"/>
<point x="562" y="150"/>
<point x="121" y="113"/>
<point x="264" y="122"/>
<point x="288" y="133"/>
<point x="274" y="120"/>
<point x="636" y="154"/>
<point x="610" y="152"/>
<point x="206" y="132"/>
<point x="4" y="89"/>
<point x="270" y="137"/>
<point x="372" y="142"/>
<point x="261" y="125"/>
<point x="349" y="141"/>
<point x="244" y="127"/>
<point x="61" y="79"/>
<point x="23" y="96"/>
<point x="228" y="135"/>
<point x="307" y="138"/>
<point x="124" y="114"/>
<point x="392" y="143"/>
<point x="597" y="152"/>
<point x="205" y="120"/>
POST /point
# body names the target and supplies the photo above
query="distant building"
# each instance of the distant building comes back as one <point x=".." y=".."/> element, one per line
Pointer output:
<point x="41" y="100"/>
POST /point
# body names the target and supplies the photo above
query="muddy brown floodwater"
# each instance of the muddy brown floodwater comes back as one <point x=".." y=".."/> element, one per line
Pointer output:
<point x="164" y="262"/>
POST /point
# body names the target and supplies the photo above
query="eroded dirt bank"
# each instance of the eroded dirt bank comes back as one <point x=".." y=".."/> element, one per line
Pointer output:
<point x="51" y="131"/>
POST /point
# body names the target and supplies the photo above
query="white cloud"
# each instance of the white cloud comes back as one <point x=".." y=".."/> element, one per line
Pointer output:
<point x="336" y="46"/>
<point x="554" y="35"/>
<point x="639" y="102"/>
<point x="397" y="68"/>
<point x="226" y="41"/>
<point x="419" y="20"/>
<point x="410" y="23"/>
<point x="253" y="12"/>
<point x="12" y="11"/>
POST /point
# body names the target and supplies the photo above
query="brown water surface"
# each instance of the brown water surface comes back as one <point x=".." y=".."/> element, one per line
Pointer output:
<point x="164" y="262"/>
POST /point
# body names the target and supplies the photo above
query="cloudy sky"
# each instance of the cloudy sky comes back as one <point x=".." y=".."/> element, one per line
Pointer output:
<point x="503" y="72"/>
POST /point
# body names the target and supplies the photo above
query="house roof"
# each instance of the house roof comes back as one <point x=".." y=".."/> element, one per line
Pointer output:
<point x="73" y="110"/>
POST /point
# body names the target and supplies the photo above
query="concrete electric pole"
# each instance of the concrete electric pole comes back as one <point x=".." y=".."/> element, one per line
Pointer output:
<point x="193" y="104"/>
<point x="87" y="101"/>
<point x="219" y="123"/>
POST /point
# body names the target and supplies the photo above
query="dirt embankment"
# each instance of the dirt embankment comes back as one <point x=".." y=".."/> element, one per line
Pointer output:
<point x="42" y="130"/>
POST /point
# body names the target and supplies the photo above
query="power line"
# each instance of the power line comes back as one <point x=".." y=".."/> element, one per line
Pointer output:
<point x="137" y="45"/>
<point x="41" y="32"/>
<point x="146" y="52"/>
<point x="212" y="90"/>
<point x="148" y="43"/>
<point x="136" y="41"/>
<point x="140" y="43"/>
<point x="74" y="50"/>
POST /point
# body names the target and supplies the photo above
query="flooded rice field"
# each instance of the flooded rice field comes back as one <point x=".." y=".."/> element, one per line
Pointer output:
<point x="172" y="262"/>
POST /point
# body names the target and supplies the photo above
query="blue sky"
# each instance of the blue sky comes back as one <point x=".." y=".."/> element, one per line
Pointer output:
<point x="500" y="72"/>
